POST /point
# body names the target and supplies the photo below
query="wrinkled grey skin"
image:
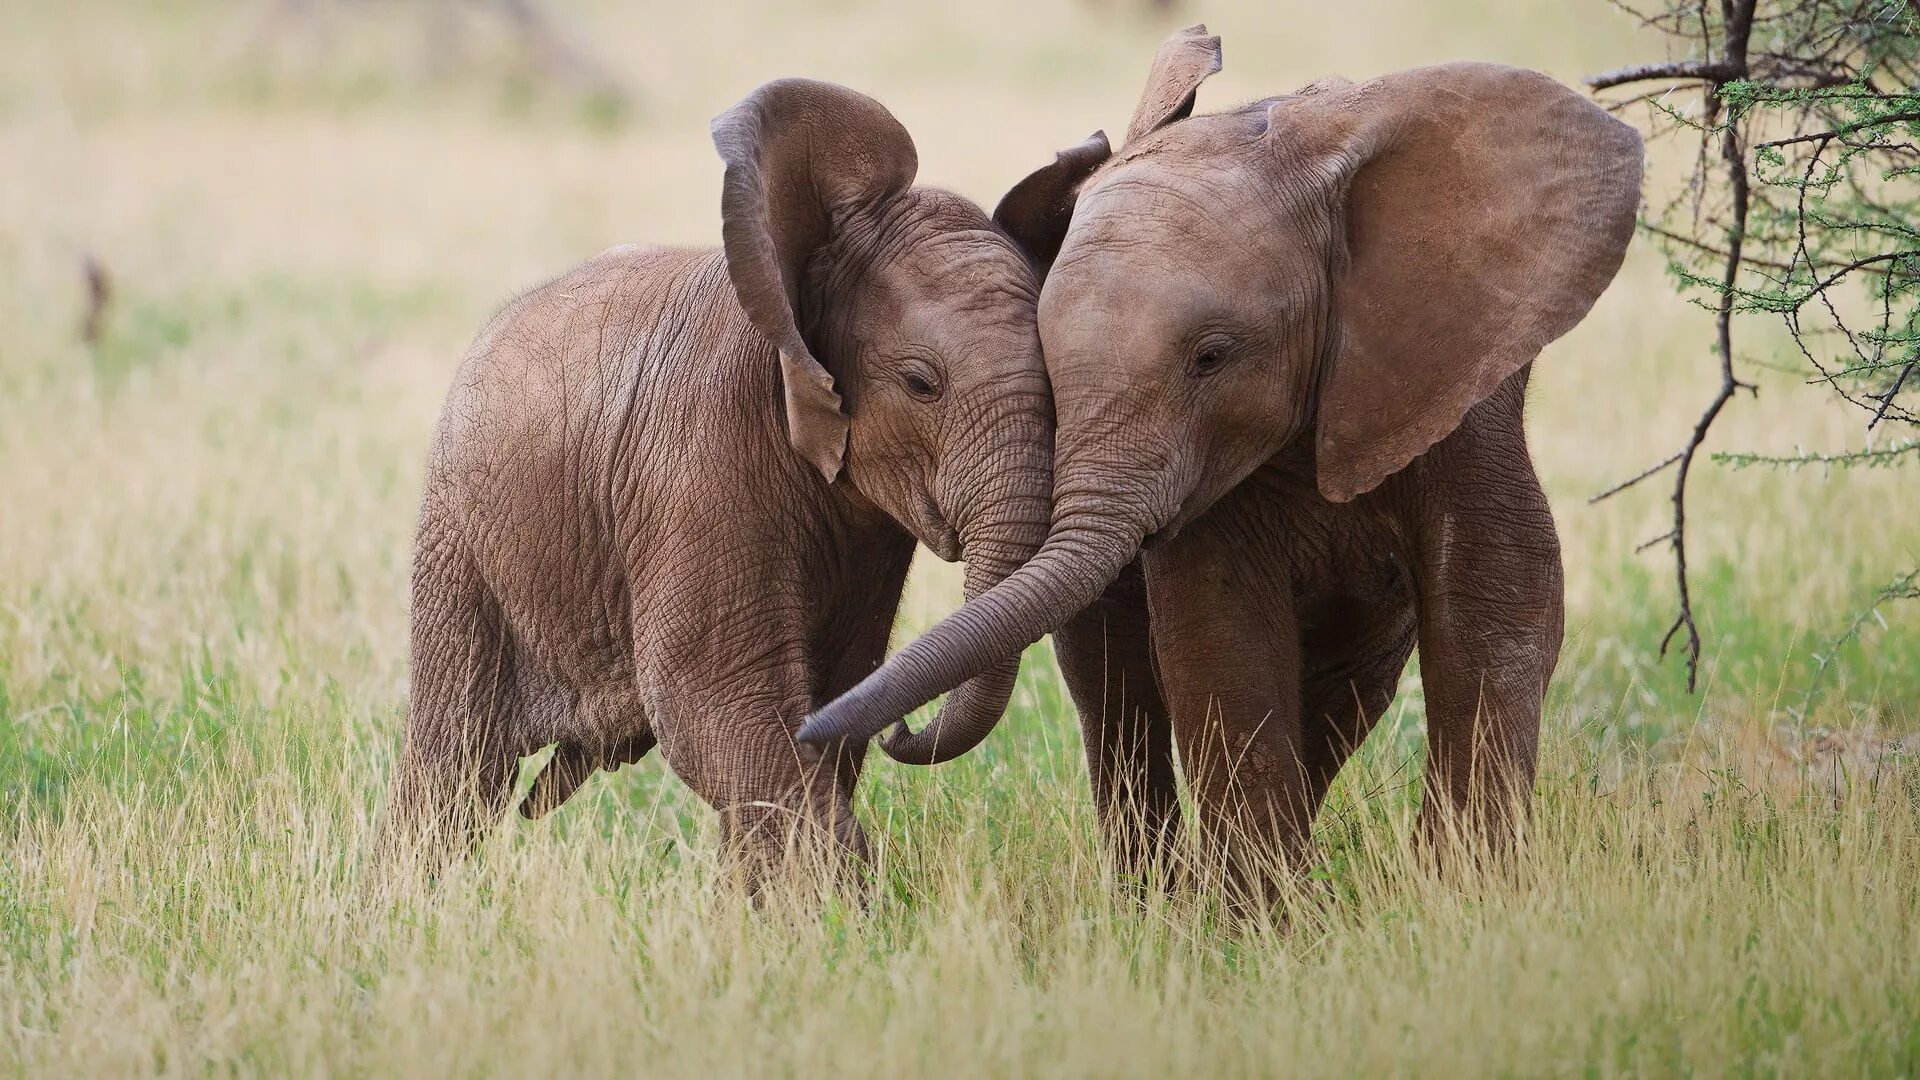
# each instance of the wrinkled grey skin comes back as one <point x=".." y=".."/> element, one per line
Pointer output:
<point x="1288" y="346"/>
<point x="650" y="516"/>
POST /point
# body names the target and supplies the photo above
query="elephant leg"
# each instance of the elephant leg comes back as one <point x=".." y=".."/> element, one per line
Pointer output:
<point x="456" y="767"/>
<point x="854" y="642"/>
<point x="571" y="765"/>
<point x="1106" y="658"/>
<point x="1352" y="654"/>
<point x="600" y="727"/>
<point x="726" y="727"/>
<point x="1491" y="614"/>
<point x="1228" y="651"/>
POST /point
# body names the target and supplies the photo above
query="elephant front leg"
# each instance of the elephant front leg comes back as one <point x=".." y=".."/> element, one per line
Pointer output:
<point x="725" y="726"/>
<point x="853" y="644"/>
<point x="1229" y="661"/>
<point x="1491" y="615"/>
<point x="1106" y="658"/>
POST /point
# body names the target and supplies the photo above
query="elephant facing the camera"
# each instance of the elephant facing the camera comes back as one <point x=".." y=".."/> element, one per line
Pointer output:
<point x="1288" y="346"/>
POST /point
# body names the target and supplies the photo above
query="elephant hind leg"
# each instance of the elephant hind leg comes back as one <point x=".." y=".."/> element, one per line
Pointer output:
<point x="572" y="763"/>
<point x="464" y="733"/>
<point x="1353" y="656"/>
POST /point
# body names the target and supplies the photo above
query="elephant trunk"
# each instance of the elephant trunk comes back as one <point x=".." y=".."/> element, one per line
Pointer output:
<point x="1009" y="532"/>
<point x="1087" y="547"/>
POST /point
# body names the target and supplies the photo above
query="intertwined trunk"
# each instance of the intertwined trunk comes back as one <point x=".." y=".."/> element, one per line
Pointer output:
<point x="1088" y="545"/>
<point x="1003" y="509"/>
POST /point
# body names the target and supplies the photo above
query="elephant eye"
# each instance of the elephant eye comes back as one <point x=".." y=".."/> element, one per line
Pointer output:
<point x="1210" y="355"/>
<point x="921" y="385"/>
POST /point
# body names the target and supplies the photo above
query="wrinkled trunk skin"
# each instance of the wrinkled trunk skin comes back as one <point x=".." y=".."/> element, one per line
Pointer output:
<point x="974" y="709"/>
<point x="1006" y="524"/>
<point x="1085" y="550"/>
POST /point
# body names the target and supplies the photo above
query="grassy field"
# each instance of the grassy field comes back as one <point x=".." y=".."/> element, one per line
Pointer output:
<point x="204" y="526"/>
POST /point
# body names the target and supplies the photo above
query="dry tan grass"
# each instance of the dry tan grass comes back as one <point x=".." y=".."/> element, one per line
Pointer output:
<point x="202" y="623"/>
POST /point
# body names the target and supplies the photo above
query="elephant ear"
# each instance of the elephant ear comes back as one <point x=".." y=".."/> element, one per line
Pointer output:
<point x="1487" y="207"/>
<point x="1182" y="64"/>
<point x="802" y="158"/>
<point x="1037" y="210"/>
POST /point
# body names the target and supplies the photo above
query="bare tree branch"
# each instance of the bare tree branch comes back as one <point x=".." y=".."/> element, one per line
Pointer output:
<point x="1787" y="228"/>
<point x="1716" y="72"/>
<point x="1644" y="474"/>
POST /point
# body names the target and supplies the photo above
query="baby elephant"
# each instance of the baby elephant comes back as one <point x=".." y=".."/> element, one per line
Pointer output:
<point x="673" y="494"/>
<point x="1288" y="346"/>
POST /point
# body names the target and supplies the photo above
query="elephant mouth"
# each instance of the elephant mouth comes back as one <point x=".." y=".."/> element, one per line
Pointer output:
<point x="1168" y="531"/>
<point x="943" y="541"/>
<point x="929" y="526"/>
<point x="1198" y="501"/>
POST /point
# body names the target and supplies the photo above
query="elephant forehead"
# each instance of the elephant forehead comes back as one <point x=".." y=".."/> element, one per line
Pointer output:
<point x="972" y="267"/>
<point x="1153" y="237"/>
<point x="961" y="287"/>
<point x="1157" y="212"/>
<point x="1141" y="276"/>
<point x="1112" y="289"/>
<point x="929" y="242"/>
<point x="1165" y="198"/>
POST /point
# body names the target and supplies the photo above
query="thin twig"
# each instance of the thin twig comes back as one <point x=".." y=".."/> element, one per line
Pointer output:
<point x="1703" y="246"/>
<point x="1822" y="136"/>
<point x="1905" y="587"/>
<point x="1717" y="72"/>
<point x="1645" y="544"/>
<point x="1886" y="399"/>
<point x="1629" y="102"/>
<point x="1625" y="484"/>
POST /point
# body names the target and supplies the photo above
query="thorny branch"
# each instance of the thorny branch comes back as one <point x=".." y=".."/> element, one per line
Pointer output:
<point x="1681" y="70"/>
<point x="1737" y="16"/>
<point x="1849" y="129"/>
<point x="1841" y="74"/>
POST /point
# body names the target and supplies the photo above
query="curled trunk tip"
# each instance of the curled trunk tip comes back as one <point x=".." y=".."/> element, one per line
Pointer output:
<point x="1084" y="553"/>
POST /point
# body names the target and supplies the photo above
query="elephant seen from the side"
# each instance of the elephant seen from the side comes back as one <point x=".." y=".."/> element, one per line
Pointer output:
<point x="674" y="493"/>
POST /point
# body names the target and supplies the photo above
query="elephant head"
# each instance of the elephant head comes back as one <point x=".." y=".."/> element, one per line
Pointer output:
<point x="1355" y="265"/>
<point x="905" y="322"/>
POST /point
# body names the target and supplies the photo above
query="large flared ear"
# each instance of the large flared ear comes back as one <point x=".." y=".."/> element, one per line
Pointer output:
<point x="1486" y="208"/>
<point x="802" y="158"/>
<point x="1037" y="210"/>
<point x="1182" y="64"/>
